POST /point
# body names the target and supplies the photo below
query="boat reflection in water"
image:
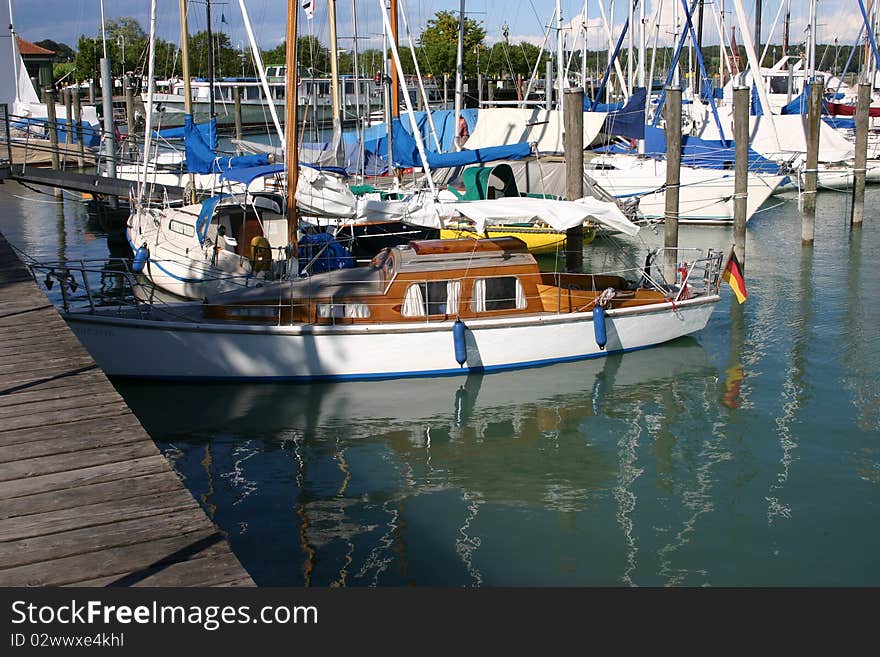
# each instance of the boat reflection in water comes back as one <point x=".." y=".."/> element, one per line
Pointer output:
<point x="433" y="481"/>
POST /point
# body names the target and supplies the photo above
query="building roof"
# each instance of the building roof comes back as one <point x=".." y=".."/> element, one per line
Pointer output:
<point x="28" y="48"/>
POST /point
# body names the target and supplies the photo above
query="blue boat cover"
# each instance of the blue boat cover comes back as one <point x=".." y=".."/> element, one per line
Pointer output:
<point x="40" y="128"/>
<point x="247" y="175"/>
<point x="629" y="119"/>
<point x="840" y="122"/>
<point x="706" y="153"/>
<point x="208" y="130"/>
<point x="801" y="103"/>
<point x="333" y="257"/>
<point x="205" y="213"/>
<point x="199" y="146"/>
<point x="406" y="153"/>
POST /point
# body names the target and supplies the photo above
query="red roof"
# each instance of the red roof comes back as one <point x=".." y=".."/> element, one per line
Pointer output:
<point x="28" y="48"/>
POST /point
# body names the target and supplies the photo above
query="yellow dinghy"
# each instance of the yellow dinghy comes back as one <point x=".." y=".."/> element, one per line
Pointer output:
<point x="539" y="239"/>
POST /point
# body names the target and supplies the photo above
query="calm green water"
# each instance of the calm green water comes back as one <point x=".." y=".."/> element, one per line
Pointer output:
<point x="748" y="455"/>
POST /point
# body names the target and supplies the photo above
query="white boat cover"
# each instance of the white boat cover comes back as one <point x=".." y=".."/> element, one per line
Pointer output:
<point x="560" y="215"/>
<point x="324" y="194"/>
<point x="421" y="210"/>
<point x="499" y="126"/>
<point x="791" y="132"/>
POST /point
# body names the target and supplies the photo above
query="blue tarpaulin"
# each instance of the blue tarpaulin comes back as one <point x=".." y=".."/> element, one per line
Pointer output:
<point x="205" y="213"/>
<point x="629" y="119"/>
<point x="801" y="103"/>
<point x="327" y="253"/>
<point x="199" y="147"/>
<point x="406" y="152"/>
<point x="40" y="128"/>
<point x="840" y="122"/>
<point x="706" y="153"/>
<point x="208" y="130"/>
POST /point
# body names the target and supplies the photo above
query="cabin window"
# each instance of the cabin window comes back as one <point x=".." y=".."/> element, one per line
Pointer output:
<point x="181" y="228"/>
<point x="779" y="84"/>
<point x="431" y="298"/>
<point x="344" y="310"/>
<point x="499" y="293"/>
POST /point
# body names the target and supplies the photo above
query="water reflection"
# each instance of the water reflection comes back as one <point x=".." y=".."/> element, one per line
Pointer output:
<point x="353" y="467"/>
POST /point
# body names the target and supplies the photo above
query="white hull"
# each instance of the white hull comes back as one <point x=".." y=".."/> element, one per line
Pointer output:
<point x="705" y="195"/>
<point x="135" y="347"/>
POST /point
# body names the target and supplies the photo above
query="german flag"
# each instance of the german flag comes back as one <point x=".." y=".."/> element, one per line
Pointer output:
<point x="733" y="276"/>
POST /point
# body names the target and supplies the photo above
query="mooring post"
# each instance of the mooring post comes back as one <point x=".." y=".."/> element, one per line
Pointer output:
<point x="77" y="114"/>
<point x="672" y="112"/>
<point x="490" y="92"/>
<point x="573" y="142"/>
<point x="68" y="128"/>
<point x="741" y="170"/>
<point x="446" y="91"/>
<point x="129" y="111"/>
<point x="92" y="91"/>
<point x="109" y="139"/>
<point x="479" y="90"/>
<point x="861" y="159"/>
<point x="811" y="174"/>
<point x="52" y="127"/>
<point x="236" y="99"/>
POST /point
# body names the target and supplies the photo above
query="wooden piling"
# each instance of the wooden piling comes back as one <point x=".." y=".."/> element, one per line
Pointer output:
<point x="92" y="91"/>
<point x="861" y="158"/>
<point x="68" y="112"/>
<point x="573" y="103"/>
<point x="77" y="113"/>
<point x="741" y="170"/>
<point x="672" y="111"/>
<point x="236" y="99"/>
<point x="814" y="118"/>
<point x="52" y="127"/>
<point x="129" y="110"/>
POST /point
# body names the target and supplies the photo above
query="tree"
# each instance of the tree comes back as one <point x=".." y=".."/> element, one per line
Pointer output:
<point x="439" y="41"/>
<point x="63" y="52"/>
<point x="311" y="54"/>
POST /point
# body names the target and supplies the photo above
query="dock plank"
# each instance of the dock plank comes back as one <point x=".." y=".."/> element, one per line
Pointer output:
<point x="86" y="497"/>
<point x="89" y="494"/>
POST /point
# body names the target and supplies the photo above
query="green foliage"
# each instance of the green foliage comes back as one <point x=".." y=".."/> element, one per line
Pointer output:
<point x="63" y="52"/>
<point x="438" y="44"/>
<point x="62" y="70"/>
<point x="504" y="60"/>
<point x="228" y="62"/>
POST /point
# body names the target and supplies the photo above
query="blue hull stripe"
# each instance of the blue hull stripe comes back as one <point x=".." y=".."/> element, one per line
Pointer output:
<point x="384" y="375"/>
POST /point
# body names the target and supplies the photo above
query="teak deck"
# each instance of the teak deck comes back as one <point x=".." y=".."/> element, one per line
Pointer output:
<point x="86" y="498"/>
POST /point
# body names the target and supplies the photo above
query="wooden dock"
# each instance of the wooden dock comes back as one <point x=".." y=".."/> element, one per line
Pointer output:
<point x="86" y="497"/>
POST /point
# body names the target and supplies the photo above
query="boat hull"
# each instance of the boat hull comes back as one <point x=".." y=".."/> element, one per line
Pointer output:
<point x="159" y="349"/>
<point x="538" y="240"/>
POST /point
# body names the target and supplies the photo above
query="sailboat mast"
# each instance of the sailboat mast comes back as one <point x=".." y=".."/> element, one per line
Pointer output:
<point x="187" y="86"/>
<point x="459" y="74"/>
<point x="560" y="57"/>
<point x="334" y="64"/>
<point x="395" y="82"/>
<point x="759" y="10"/>
<point x="291" y="153"/>
<point x="357" y="72"/>
<point x="785" y="30"/>
<point x="212" y="110"/>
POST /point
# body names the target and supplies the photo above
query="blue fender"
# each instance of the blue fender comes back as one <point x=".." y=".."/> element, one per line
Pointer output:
<point x="458" y="340"/>
<point x="140" y="259"/>
<point x="599" y="327"/>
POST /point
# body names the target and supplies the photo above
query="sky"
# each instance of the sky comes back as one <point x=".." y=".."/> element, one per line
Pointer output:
<point x="526" y="20"/>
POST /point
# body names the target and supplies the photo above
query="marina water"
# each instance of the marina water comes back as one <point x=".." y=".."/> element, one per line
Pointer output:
<point x="747" y="455"/>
